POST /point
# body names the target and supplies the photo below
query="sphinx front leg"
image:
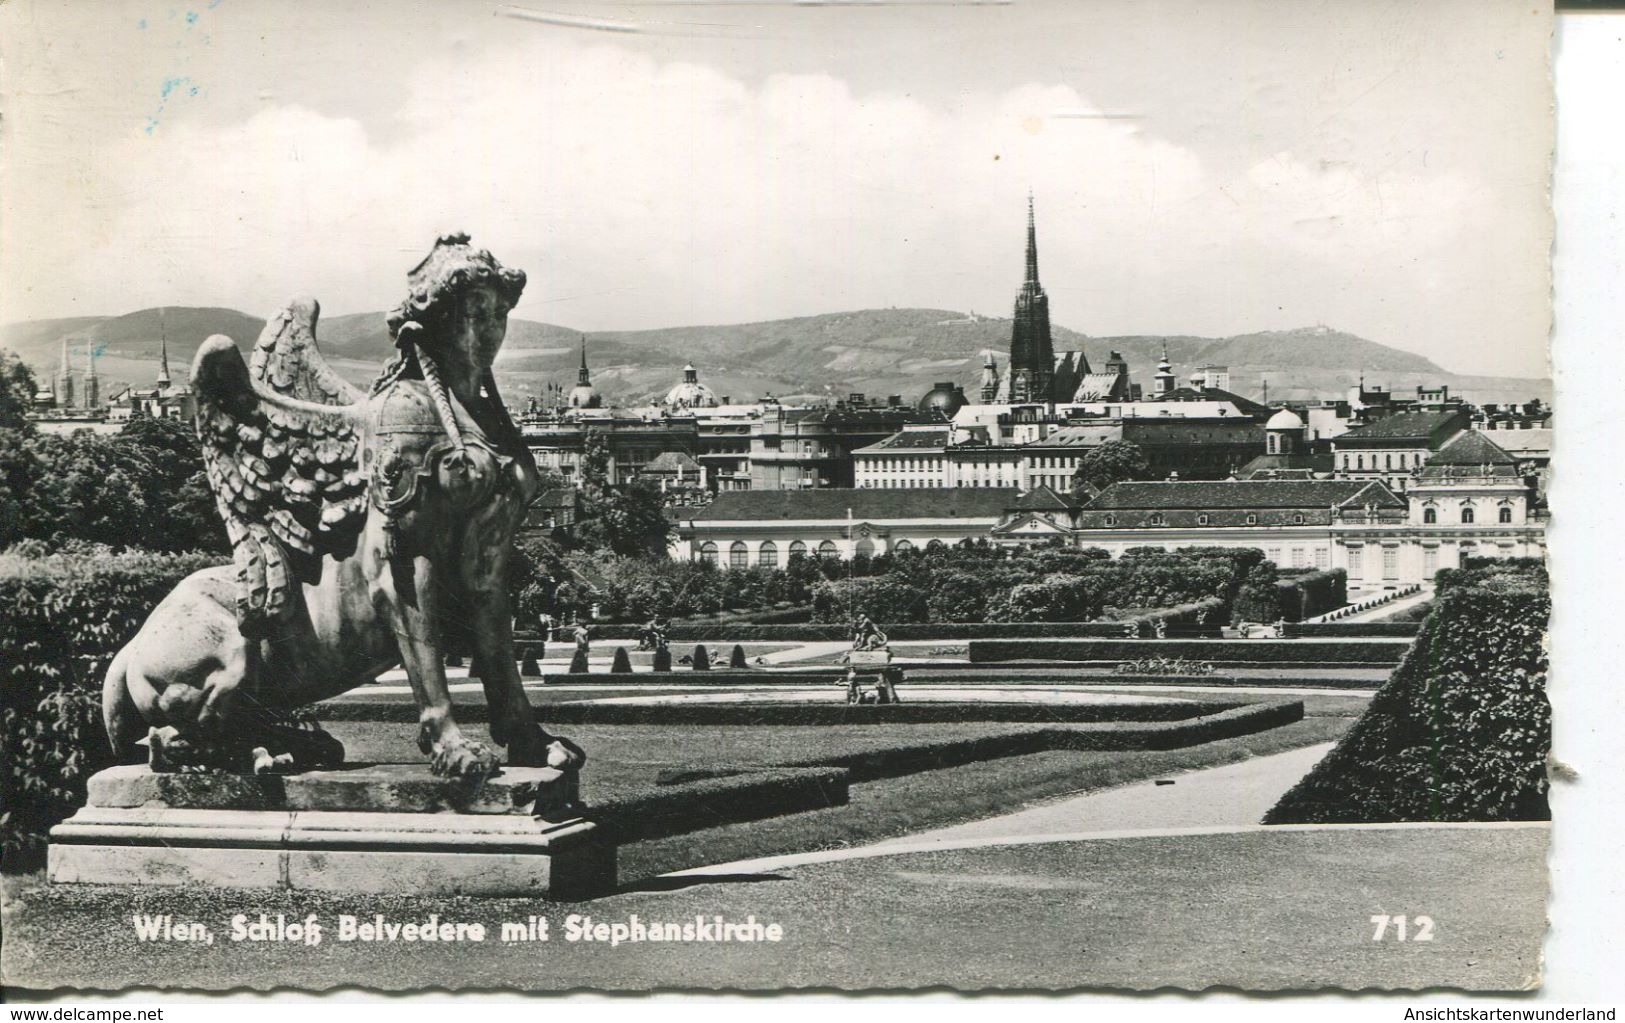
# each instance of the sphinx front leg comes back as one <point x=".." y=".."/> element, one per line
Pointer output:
<point x="513" y="721"/>
<point x="417" y="617"/>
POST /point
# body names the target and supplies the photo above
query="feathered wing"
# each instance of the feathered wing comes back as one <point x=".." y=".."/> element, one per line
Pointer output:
<point x="281" y="448"/>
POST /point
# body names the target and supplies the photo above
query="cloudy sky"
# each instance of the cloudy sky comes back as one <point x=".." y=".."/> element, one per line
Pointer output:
<point x="1208" y="167"/>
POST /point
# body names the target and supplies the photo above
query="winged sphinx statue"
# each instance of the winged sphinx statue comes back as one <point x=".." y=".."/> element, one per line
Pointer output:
<point x="369" y="531"/>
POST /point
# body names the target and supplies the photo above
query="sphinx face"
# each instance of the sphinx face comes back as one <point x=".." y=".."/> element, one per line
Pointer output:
<point x="476" y="334"/>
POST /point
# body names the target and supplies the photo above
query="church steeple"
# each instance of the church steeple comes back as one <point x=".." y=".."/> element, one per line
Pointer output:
<point x="990" y="380"/>
<point x="581" y="374"/>
<point x="163" y="354"/>
<point x="1032" y="245"/>
<point x="92" y="394"/>
<point x="584" y="394"/>
<point x="1032" y="354"/>
<point x="64" y="379"/>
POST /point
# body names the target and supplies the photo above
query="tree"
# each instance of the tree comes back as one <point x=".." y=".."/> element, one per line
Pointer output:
<point x="177" y="491"/>
<point x="17" y="389"/>
<point x="1112" y="462"/>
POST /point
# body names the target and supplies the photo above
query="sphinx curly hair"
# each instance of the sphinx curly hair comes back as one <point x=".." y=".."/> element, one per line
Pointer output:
<point x="437" y="284"/>
<point x="435" y="293"/>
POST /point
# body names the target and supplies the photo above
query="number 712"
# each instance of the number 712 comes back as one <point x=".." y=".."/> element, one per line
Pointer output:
<point x="1401" y="927"/>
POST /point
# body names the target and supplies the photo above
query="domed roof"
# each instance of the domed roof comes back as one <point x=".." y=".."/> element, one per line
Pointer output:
<point x="690" y="393"/>
<point x="945" y="397"/>
<point x="585" y="396"/>
<point x="1286" y="419"/>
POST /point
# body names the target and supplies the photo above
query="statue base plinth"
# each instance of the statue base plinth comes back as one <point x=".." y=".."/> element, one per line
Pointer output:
<point x="868" y="658"/>
<point x="367" y="831"/>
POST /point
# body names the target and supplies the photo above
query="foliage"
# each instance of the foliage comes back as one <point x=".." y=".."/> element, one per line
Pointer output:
<point x="1259" y="599"/>
<point x="17" y="390"/>
<point x="1113" y="462"/>
<point x="1462" y="728"/>
<point x="62" y="618"/>
<point x="1297" y="651"/>
<point x="884" y="598"/>
<point x="141" y="488"/>
<point x="1307" y="594"/>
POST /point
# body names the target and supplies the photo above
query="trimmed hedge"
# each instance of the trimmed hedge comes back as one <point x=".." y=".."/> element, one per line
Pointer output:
<point x="1253" y="651"/>
<point x="1307" y="594"/>
<point x="1461" y="729"/>
<point x="1337" y="630"/>
<point x="1179" y="621"/>
<point x="62" y="619"/>
<point x="701" y="801"/>
<point x="837" y="713"/>
<point x="913" y="757"/>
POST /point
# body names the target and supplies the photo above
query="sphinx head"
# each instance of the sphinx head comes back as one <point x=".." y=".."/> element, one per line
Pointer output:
<point x="457" y="308"/>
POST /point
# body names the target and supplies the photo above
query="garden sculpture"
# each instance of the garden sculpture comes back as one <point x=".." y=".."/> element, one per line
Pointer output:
<point x="866" y="635"/>
<point x="369" y="530"/>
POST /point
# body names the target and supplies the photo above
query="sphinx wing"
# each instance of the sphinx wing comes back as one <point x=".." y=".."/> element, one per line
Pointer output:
<point x="287" y="362"/>
<point x="286" y="474"/>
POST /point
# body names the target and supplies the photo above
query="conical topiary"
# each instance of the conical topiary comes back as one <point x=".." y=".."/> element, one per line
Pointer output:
<point x="528" y="665"/>
<point x="737" y="658"/>
<point x="578" y="663"/>
<point x="702" y="659"/>
<point x="663" y="659"/>
<point x="623" y="663"/>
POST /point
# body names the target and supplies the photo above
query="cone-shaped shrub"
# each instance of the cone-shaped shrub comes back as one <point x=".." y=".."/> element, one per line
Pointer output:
<point x="663" y="659"/>
<point x="737" y="658"/>
<point x="578" y="663"/>
<point x="702" y="659"/>
<point x="623" y="662"/>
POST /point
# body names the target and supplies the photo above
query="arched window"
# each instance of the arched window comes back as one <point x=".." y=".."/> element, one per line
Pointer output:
<point x="902" y="545"/>
<point x="1466" y="514"/>
<point x="1111" y="520"/>
<point x="1156" y="518"/>
<point x="1430" y="515"/>
<point x="798" y="549"/>
<point x="1252" y="520"/>
<point x="1297" y="520"/>
<point x="866" y="548"/>
<point x="827" y="550"/>
<point x="708" y="553"/>
<point x="934" y="545"/>
<point x="1388" y="461"/>
<point x="738" y="555"/>
<point x="1201" y="520"/>
<point x="1359" y="461"/>
<point x="768" y="554"/>
<point x="1505" y="515"/>
<point x="1272" y="441"/>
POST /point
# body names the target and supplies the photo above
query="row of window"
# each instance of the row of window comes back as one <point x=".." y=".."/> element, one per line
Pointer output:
<point x="1357" y="462"/>
<point x="767" y="555"/>
<point x="1431" y="515"/>
<point x="1202" y="519"/>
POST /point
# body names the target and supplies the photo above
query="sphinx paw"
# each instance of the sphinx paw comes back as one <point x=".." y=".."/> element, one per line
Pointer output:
<point x="463" y="759"/>
<point x="535" y="748"/>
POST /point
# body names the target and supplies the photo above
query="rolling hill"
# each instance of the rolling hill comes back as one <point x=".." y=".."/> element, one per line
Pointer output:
<point x="876" y="351"/>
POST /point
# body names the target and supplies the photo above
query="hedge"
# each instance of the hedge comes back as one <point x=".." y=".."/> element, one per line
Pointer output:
<point x="1307" y="594"/>
<point x="912" y="757"/>
<point x="1181" y="620"/>
<point x="700" y="801"/>
<point x="62" y="618"/>
<point x="831" y="712"/>
<point x="1461" y="729"/>
<point x="985" y="651"/>
<point x="1337" y="630"/>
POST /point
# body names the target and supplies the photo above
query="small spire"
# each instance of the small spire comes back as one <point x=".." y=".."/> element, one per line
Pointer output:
<point x="1032" y="242"/>
<point x="581" y="375"/>
<point x="163" y="352"/>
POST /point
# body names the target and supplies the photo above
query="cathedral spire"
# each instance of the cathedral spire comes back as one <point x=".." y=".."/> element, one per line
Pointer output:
<point x="92" y="392"/>
<point x="581" y="374"/>
<point x="64" y="379"/>
<point x="1032" y="244"/>
<point x="1032" y="355"/>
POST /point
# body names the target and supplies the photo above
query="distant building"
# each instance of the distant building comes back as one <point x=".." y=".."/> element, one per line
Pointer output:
<point x="749" y="528"/>
<point x="584" y="394"/>
<point x="164" y="400"/>
<point x="810" y="448"/>
<point x="689" y="393"/>
<point x="1394" y="448"/>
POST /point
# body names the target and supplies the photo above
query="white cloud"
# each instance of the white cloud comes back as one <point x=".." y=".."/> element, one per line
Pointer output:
<point x="640" y="192"/>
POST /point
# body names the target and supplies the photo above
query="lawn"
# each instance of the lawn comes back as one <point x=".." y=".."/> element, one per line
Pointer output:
<point x="1265" y="909"/>
<point x="626" y="757"/>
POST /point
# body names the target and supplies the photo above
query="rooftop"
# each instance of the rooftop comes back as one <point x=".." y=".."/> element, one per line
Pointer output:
<point x="1244" y="494"/>
<point x="912" y="439"/>
<point x="1421" y="427"/>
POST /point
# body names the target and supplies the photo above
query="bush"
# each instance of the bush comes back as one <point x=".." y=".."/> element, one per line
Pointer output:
<point x="1307" y="594"/>
<point x="1462" y="728"/>
<point x="622" y="662"/>
<point x="62" y="618"/>
<point x="883" y="598"/>
<point x="1297" y="651"/>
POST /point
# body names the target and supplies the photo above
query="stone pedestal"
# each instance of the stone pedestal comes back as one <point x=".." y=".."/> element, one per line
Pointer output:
<point x="387" y="829"/>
